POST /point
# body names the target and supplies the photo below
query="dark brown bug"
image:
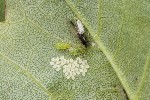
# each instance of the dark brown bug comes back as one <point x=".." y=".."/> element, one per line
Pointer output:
<point x="80" y="33"/>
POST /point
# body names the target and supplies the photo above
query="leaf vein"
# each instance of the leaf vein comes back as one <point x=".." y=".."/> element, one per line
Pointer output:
<point x="28" y="74"/>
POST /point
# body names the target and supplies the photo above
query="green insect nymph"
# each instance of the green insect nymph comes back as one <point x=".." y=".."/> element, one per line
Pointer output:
<point x="62" y="46"/>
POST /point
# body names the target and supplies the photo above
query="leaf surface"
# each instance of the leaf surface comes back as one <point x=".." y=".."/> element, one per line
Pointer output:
<point x="119" y="64"/>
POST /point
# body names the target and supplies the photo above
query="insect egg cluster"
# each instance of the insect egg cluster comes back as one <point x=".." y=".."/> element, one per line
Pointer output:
<point x="71" y="68"/>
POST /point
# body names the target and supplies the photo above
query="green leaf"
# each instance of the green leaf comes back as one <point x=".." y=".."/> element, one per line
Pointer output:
<point x="2" y="10"/>
<point x="119" y="64"/>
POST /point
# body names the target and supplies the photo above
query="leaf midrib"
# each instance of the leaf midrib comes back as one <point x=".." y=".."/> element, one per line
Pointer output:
<point x="145" y="73"/>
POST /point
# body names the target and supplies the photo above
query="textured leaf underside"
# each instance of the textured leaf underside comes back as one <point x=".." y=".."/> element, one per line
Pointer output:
<point x="120" y="63"/>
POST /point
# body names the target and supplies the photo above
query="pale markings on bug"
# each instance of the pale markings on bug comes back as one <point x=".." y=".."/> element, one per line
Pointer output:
<point x="80" y="27"/>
